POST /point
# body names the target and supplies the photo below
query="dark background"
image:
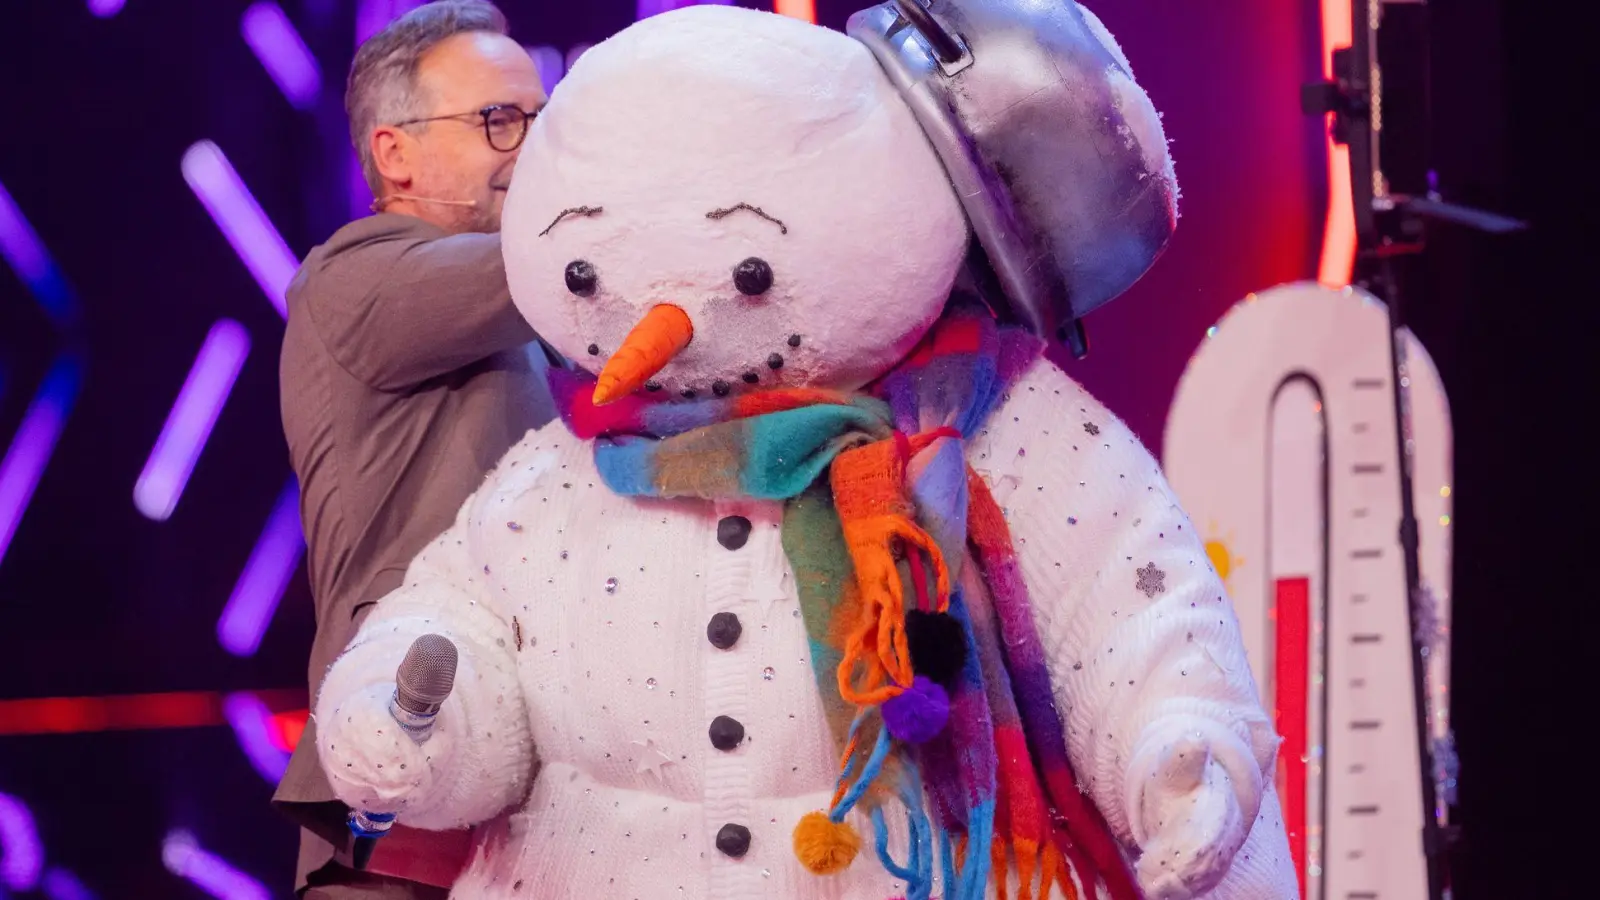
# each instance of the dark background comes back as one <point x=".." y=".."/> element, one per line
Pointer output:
<point x="95" y="599"/>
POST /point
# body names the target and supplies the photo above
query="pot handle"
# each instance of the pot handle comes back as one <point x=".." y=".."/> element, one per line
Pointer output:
<point x="944" y="45"/>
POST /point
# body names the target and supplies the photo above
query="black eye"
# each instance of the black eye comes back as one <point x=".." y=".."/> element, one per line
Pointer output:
<point x="753" y="276"/>
<point x="581" y="278"/>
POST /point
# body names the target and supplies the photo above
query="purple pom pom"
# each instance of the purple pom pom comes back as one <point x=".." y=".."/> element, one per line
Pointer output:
<point x="919" y="714"/>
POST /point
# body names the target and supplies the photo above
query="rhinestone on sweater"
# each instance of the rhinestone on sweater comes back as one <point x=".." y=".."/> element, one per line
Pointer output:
<point x="611" y="585"/>
<point x="767" y="673"/>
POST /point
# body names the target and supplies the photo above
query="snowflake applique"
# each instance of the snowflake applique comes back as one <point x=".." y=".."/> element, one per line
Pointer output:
<point x="1152" y="581"/>
<point x="1092" y="428"/>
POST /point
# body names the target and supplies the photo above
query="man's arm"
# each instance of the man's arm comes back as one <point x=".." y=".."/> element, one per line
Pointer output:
<point x="400" y="303"/>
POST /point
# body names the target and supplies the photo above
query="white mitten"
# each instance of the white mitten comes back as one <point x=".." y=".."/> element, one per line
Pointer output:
<point x="371" y="763"/>
<point x="1194" y="790"/>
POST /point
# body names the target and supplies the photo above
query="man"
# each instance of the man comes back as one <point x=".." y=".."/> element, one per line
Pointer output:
<point x="406" y="371"/>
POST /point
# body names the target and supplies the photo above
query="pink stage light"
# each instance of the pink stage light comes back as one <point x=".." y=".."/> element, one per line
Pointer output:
<point x="268" y="31"/>
<point x="189" y="424"/>
<point x="804" y="10"/>
<point x="34" y="442"/>
<point x="25" y="253"/>
<point x="105" y="9"/>
<point x="255" y="730"/>
<point x="212" y="874"/>
<point x="1338" y="257"/>
<point x="243" y="223"/>
<point x="266" y="574"/>
<point x="21" y="855"/>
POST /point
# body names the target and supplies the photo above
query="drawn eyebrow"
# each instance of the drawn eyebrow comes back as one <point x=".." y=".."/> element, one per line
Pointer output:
<point x="724" y="213"/>
<point x="574" y="211"/>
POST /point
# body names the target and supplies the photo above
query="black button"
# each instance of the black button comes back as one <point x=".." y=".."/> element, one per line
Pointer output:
<point x="734" y="840"/>
<point x="733" y="531"/>
<point x="723" y="630"/>
<point x="726" y="733"/>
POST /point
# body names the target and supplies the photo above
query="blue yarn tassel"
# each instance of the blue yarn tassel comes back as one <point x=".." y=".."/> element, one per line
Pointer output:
<point x="980" y="834"/>
<point x="869" y="773"/>
<point x="918" y="871"/>
<point x="947" y="863"/>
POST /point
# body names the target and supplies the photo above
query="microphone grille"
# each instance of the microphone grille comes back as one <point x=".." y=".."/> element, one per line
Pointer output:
<point x="426" y="674"/>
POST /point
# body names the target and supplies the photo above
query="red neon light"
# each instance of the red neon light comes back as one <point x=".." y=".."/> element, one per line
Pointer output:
<point x="121" y="712"/>
<point x="800" y="9"/>
<point x="1339" y="231"/>
<point x="1291" y="684"/>
<point x="287" y="728"/>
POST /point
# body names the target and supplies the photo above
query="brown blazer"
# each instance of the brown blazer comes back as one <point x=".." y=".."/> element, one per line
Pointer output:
<point x="406" y="373"/>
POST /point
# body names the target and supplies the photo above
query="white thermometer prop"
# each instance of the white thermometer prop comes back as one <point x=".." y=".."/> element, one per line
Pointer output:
<point x="1281" y="446"/>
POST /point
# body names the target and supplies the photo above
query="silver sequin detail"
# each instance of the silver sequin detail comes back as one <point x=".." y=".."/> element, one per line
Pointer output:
<point x="611" y="585"/>
<point x="767" y="673"/>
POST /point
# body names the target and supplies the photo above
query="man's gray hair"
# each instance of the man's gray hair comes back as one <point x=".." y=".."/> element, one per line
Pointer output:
<point x="383" y="78"/>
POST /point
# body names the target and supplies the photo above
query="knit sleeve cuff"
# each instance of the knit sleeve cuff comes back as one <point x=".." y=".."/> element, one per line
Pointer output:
<point x="479" y="758"/>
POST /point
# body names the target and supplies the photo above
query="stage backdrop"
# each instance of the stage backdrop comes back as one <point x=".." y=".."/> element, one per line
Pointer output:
<point x="162" y="168"/>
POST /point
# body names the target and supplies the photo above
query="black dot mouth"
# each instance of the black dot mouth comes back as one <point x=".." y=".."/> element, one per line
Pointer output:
<point x="723" y="387"/>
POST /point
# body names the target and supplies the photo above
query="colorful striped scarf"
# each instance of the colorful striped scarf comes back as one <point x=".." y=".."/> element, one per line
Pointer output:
<point x="922" y="633"/>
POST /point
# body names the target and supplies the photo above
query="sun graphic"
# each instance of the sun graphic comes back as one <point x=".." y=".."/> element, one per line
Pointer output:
<point x="1222" y="558"/>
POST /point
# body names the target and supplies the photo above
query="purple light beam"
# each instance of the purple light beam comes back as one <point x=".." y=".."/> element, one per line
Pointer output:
<point x="189" y="424"/>
<point x="252" y="728"/>
<point x="243" y="223"/>
<point x="551" y="63"/>
<point x="360" y="192"/>
<point x="575" y="51"/>
<point x="266" y="574"/>
<point x="105" y="9"/>
<point x="372" y="15"/>
<point x="59" y="884"/>
<point x="35" y="440"/>
<point x="268" y="31"/>
<point x="22" y="249"/>
<point x="212" y="874"/>
<point x="648" y="8"/>
<point x="21" y="854"/>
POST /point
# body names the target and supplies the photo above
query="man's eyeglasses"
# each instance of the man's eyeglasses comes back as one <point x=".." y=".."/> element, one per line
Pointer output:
<point x="504" y="127"/>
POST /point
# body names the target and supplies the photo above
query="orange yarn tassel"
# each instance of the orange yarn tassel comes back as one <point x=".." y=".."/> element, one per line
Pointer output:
<point x="997" y="868"/>
<point x="1053" y="868"/>
<point x="874" y="514"/>
<point x="1027" y="853"/>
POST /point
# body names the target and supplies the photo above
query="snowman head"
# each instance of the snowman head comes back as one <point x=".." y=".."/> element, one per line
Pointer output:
<point x="718" y="199"/>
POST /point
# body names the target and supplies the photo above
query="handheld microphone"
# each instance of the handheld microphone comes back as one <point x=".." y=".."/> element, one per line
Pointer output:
<point x="422" y="683"/>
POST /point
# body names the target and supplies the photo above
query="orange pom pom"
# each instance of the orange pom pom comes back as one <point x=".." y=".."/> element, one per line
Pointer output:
<point x="824" y="846"/>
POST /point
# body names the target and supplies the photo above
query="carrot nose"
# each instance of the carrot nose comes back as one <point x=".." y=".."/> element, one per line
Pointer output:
<point x="663" y="332"/>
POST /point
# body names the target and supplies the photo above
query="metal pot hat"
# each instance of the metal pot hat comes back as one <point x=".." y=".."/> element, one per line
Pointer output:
<point x="1056" y="153"/>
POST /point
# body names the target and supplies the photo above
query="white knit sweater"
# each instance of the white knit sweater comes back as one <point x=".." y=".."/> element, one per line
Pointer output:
<point x="582" y="618"/>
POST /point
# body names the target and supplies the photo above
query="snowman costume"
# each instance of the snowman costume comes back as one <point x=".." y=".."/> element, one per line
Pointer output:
<point x="720" y="206"/>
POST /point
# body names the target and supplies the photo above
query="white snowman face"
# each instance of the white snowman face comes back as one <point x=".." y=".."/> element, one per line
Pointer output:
<point x="758" y="174"/>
